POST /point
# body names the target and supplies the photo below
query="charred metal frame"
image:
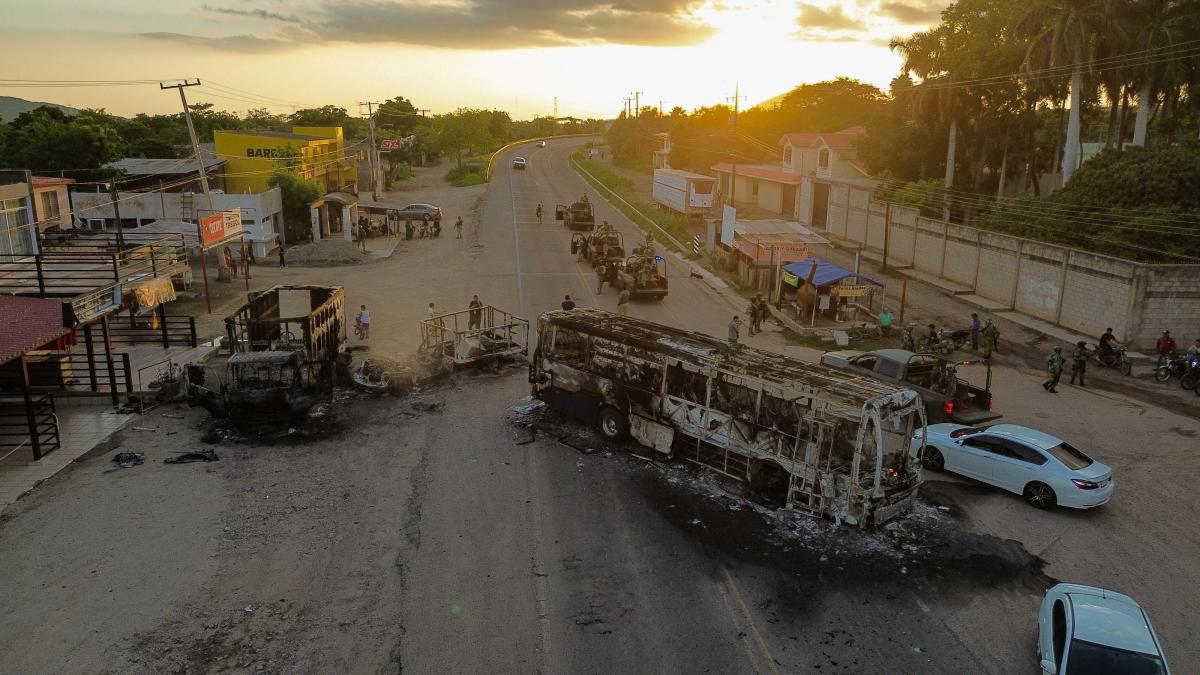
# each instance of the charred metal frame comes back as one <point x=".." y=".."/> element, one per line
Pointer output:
<point x="747" y="413"/>
<point x="451" y="336"/>
<point x="258" y="326"/>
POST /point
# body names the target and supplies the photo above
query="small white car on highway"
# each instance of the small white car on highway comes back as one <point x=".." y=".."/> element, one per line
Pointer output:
<point x="541" y="144"/>
<point x="1046" y="470"/>
<point x="1083" y="630"/>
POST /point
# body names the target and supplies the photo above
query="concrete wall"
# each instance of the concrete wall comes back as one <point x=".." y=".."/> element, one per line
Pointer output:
<point x="1084" y="292"/>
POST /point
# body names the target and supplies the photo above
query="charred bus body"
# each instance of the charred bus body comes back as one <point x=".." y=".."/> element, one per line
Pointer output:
<point x="830" y="443"/>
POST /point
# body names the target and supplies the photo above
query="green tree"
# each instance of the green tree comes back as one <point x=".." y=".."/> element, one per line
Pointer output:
<point x="296" y="192"/>
<point x="466" y="129"/>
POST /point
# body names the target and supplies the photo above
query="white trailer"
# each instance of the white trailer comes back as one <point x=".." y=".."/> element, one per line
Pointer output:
<point x="684" y="192"/>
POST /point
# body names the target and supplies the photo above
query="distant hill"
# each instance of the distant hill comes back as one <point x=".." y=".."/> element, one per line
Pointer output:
<point x="772" y="102"/>
<point x="10" y="107"/>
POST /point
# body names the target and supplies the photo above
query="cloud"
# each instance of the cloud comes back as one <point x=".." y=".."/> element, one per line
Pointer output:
<point x="811" y="18"/>
<point x="475" y="24"/>
<point x="242" y="43"/>
<point x="913" y="13"/>
<point x="264" y="14"/>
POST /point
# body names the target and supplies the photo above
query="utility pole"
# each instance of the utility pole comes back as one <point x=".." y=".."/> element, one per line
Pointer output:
<point x="625" y="102"/>
<point x="187" y="116"/>
<point x="737" y="98"/>
<point x="372" y="157"/>
<point x="555" y="107"/>
<point x="112" y="190"/>
<point x="637" y="103"/>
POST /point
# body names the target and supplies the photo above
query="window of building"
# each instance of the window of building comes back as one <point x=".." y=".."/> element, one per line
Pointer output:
<point x="787" y="154"/>
<point x="754" y="188"/>
<point x="823" y="159"/>
<point x="15" y="236"/>
<point x="49" y="209"/>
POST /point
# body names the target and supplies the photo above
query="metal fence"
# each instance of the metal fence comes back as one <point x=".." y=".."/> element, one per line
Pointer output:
<point x="14" y="425"/>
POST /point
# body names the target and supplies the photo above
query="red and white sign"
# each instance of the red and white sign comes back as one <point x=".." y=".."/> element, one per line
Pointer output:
<point x="220" y="226"/>
<point x="389" y="144"/>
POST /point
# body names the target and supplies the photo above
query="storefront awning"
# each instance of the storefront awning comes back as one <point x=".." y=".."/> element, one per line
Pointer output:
<point x="34" y="322"/>
<point x="827" y="273"/>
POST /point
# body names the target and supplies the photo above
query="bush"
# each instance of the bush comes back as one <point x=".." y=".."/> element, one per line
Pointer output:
<point x="467" y="175"/>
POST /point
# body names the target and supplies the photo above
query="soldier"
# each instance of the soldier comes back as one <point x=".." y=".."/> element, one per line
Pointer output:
<point x="601" y="273"/>
<point x="907" y="339"/>
<point x="752" y="312"/>
<point x="1079" y="362"/>
<point x="1054" y="366"/>
<point x="458" y="225"/>
<point x="991" y="339"/>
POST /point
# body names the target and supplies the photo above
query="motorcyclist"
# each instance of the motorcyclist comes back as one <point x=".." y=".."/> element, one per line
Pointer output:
<point x="1108" y="342"/>
<point x="1194" y="351"/>
<point x="1165" y="346"/>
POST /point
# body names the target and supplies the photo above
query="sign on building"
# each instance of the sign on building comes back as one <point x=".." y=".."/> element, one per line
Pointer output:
<point x="389" y="144"/>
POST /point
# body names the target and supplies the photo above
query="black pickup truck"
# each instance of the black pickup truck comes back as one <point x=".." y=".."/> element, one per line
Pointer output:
<point x="947" y="397"/>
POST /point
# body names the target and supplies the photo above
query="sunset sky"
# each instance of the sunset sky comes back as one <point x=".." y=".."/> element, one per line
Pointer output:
<point x="510" y="54"/>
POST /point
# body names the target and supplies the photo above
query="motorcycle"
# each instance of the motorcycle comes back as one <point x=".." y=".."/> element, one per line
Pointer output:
<point x="1191" y="374"/>
<point x="1113" y="359"/>
<point x="1170" y="366"/>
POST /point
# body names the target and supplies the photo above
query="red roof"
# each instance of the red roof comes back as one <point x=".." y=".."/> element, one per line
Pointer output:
<point x="40" y="322"/>
<point x="759" y="171"/>
<point x="49" y="181"/>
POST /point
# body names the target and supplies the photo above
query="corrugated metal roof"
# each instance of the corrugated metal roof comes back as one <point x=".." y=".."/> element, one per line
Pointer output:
<point x="41" y="321"/>
<point x="137" y="166"/>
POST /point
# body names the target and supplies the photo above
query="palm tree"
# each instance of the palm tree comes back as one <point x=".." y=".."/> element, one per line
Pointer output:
<point x="1161" y="24"/>
<point x="1061" y="33"/>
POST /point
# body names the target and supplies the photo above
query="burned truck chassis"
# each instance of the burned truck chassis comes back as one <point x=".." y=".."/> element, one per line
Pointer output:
<point x="748" y="414"/>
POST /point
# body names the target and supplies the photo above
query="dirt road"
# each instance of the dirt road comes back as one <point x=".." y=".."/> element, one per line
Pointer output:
<point x="421" y="535"/>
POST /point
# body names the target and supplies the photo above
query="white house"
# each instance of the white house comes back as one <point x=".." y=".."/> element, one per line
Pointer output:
<point x="798" y="187"/>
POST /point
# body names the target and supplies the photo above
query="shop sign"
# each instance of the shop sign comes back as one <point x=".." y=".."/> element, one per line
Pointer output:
<point x="389" y="144"/>
<point x="220" y="226"/>
<point x="849" y="291"/>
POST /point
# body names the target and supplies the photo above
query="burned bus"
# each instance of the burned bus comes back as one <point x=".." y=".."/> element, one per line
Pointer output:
<point x="812" y="438"/>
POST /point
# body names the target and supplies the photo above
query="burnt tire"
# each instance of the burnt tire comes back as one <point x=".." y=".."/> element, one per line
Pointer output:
<point x="933" y="459"/>
<point x="612" y="425"/>
<point x="1039" y="495"/>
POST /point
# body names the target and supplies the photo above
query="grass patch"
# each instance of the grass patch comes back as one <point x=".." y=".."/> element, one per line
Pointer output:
<point x="602" y="177"/>
<point x="467" y="175"/>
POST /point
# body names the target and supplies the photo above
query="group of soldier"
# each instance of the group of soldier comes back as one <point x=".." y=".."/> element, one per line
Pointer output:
<point x="757" y="311"/>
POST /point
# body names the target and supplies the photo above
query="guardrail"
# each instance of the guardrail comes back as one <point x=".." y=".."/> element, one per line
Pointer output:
<point x="82" y="268"/>
<point x="14" y="424"/>
<point x="170" y="330"/>
<point x="596" y="183"/>
<point x="506" y="146"/>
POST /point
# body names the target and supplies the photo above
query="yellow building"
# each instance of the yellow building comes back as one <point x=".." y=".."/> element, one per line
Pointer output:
<point x="251" y="156"/>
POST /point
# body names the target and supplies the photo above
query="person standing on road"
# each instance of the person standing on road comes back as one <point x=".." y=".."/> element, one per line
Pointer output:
<point x="458" y="225"/>
<point x="568" y="304"/>
<point x="991" y="339"/>
<point x="601" y="273"/>
<point x="1054" y="366"/>
<point x="623" y="302"/>
<point x="1079" y="362"/>
<point x="752" y="312"/>
<point x="476" y="308"/>
<point x="282" y="259"/>
<point x="363" y="322"/>
<point x="735" y="330"/>
<point x="976" y="326"/>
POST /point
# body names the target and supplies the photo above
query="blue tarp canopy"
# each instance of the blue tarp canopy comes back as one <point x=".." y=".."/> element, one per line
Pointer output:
<point x="827" y="272"/>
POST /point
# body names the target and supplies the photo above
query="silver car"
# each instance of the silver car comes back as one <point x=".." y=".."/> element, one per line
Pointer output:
<point x="1084" y="630"/>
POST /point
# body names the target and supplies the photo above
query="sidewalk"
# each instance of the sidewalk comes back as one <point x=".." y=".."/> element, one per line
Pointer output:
<point x="81" y="428"/>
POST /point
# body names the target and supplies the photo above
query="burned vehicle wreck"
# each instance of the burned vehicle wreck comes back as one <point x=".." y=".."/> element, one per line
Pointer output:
<point x="815" y="439"/>
<point x="283" y="346"/>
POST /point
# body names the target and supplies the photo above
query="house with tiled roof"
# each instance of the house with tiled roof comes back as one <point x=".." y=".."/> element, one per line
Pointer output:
<point x="798" y="186"/>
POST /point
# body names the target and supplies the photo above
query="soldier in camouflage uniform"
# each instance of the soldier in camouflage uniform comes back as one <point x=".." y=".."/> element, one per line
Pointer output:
<point x="1079" y="362"/>
<point x="991" y="339"/>
<point x="1054" y="366"/>
<point x="907" y="339"/>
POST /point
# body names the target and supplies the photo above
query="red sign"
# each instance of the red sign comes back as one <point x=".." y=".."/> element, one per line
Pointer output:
<point x="389" y="144"/>
<point x="212" y="229"/>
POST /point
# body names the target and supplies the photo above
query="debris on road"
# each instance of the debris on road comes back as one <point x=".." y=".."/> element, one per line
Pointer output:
<point x="189" y="457"/>
<point x="127" y="460"/>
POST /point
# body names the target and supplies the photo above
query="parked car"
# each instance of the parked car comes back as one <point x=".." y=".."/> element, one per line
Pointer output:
<point x="1044" y="469"/>
<point x="419" y="212"/>
<point x="541" y="144"/>
<point x="519" y="163"/>
<point x="1083" y="630"/>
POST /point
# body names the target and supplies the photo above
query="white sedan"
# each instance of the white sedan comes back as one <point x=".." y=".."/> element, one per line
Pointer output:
<point x="541" y="144"/>
<point x="1083" y="630"/>
<point x="1044" y="469"/>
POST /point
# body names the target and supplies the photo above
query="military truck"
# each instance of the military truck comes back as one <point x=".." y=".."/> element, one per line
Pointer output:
<point x="604" y="245"/>
<point x="577" y="216"/>
<point x="645" y="276"/>
<point x="947" y="397"/>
